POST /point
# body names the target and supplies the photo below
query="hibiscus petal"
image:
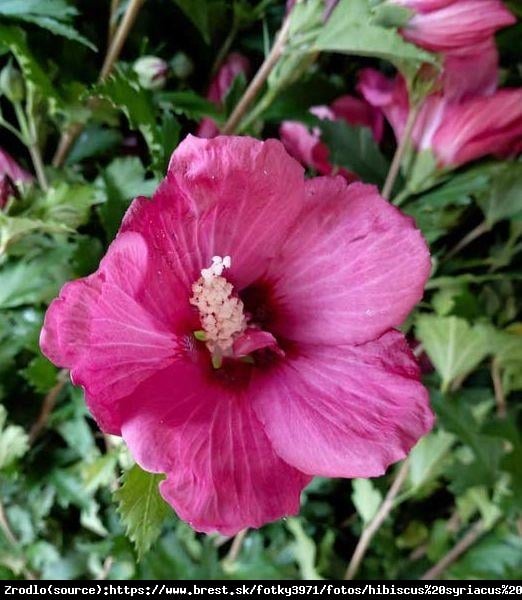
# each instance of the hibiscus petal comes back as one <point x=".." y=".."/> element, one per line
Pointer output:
<point x="99" y="330"/>
<point x="353" y="268"/>
<point x="236" y="186"/>
<point x="480" y="126"/>
<point x="345" y="411"/>
<point x="222" y="473"/>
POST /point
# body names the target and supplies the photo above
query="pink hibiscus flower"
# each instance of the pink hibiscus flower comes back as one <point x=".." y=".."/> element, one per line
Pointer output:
<point x="456" y="132"/>
<point x="305" y="144"/>
<point x="11" y="173"/>
<point x="293" y="288"/>
<point x="235" y="64"/>
<point x="454" y="25"/>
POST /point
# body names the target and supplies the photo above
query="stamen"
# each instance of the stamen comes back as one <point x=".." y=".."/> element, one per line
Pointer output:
<point x="221" y="313"/>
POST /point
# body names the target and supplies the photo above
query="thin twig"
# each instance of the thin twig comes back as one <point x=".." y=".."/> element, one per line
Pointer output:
<point x="36" y="157"/>
<point x="47" y="407"/>
<point x="479" y="230"/>
<point x="107" y="566"/>
<point x="73" y="131"/>
<point x="120" y="36"/>
<point x="30" y="139"/>
<point x="500" y="396"/>
<point x="113" y="21"/>
<point x="371" y="529"/>
<point x="399" y="152"/>
<point x="460" y="547"/>
<point x="223" y="51"/>
<point x="235" y="547"/>
<point x="259" y="80"/>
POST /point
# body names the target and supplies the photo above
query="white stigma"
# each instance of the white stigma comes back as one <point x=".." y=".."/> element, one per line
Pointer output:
<point x="221" y="314"/>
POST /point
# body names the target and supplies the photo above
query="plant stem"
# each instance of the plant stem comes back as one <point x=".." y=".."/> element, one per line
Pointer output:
<point x="73" y="131"/>
<point x="371" y="529"/>
<point x="401" y="149"/>
<point x="47" y="407"/>
<point x="479" y="230"/>
<point x="223" y="51"/>
<point x="500" y="396"/>
<point x="236" y="545"/>
<point x="112" y="21"/>
<point x="30" y="138"/>
<point x="259" y="80"/>
<point x="120" y="36"/>
<point x="12" y="130"/>
<point x="460" y="547"/>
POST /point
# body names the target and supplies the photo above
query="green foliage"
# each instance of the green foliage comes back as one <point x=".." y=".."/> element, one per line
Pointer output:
<point x="124" y="92"/>
<point x="141" y="507"/>
<point x="354" y="149"/>
<point x="54" y="15"/>
<point x="454" y="346"/>
<point x="13" y="441"/>
<point x="122" y="181"/>
<point x="366" y="499"/>
<point x="352" y="29"/>
<point x="70" y="511"/>
<point x="14" y="39"/>
<point x="204" y="14"/>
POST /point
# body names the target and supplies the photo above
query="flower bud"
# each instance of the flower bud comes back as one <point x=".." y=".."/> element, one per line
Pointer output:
<point x="181" y="65"/>
<point x="152" y="72"/>
<point x="12" y="83"/>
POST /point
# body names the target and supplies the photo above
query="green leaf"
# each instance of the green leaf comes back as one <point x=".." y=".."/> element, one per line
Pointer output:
<point x="41" y="374"/>
<point x="354" y="149"/>
<point x="507" y="350"/>
<point x="204" y="14"/>
<point x="14" y="442"/>
<point x="426" y="459"/>
<point x="304" y="550"/>
<point x="35" y="281"/>
<point x="502" y="198"/>
<point x="141" y="507"/>
<point x="67" y="205"/>
<point x="191" y="105"/>
<point x="456" y="417"/>
<point x="366" y="498"/>
<point x="13" y="229"/>
<point x="498" y="556"/>
<point x="454" y="347"/>
<point x="391" y="15"/>
<point x="53" y="15"/>
<point x="14" y="39"/>
<point x="123" y="91"/>
<point x="122" y="181"/>
<point x="93" y="141"/>
<point x="351" y="30"/>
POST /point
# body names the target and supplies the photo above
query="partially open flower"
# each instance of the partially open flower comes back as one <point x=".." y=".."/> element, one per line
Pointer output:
<point x="239" y="333"/>
<point x="152" y="72"/>
<point x="455" y="131"/>
<point x="11" y="174"/>
<point x="444" y="26"/>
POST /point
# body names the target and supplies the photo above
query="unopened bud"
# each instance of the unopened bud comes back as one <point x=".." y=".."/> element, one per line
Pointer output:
<point x="152" y="72"/>
<point x="12" y="83"/>
<point x="182" y="66"/>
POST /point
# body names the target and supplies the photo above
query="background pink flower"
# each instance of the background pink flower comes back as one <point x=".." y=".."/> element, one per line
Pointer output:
<point x="456" y="132"/>
<point x="329" y="387"/>
<point x="304" y="143"/>
<point x="10" y="173"/>
<point x="234" y="65"/>
<point x="457" y="24"/>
